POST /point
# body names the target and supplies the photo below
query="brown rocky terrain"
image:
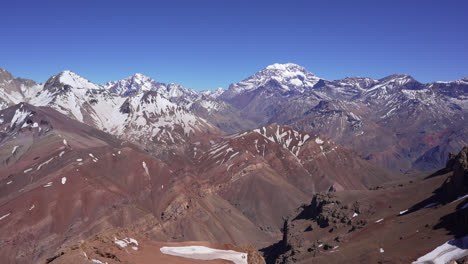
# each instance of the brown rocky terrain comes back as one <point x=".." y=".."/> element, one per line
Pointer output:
<point x="392" y="223"/>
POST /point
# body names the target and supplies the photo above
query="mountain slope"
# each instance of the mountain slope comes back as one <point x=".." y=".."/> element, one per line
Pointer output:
<point x="62" y="181"/>
<point x="397" y="223"/>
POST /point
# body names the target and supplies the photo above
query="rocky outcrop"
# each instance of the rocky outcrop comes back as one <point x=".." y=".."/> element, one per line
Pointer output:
<point x="325" y="214"/>
<point x="457" y="184"/>
<point x="326" y="210"/>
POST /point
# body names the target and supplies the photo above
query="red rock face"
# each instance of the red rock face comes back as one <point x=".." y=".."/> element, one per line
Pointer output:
<point x="62" y="181"/>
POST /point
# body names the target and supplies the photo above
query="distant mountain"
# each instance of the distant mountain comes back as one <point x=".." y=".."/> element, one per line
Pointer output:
<point x="204" y="104"/>
<point x="396" y="122"/>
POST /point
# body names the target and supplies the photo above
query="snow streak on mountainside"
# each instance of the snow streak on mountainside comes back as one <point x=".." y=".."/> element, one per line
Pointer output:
<point x="144" y="117"/>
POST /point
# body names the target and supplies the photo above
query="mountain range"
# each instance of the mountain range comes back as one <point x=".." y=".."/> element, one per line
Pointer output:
<point x="85" y="166"/>
<point x="394" y="122"/>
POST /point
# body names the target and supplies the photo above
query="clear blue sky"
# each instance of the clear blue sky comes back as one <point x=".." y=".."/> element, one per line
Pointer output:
<point x="210" y="44"/>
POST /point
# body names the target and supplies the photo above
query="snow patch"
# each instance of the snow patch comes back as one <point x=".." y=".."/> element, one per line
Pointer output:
<point x="19" y="116"/>
<point x="98" y="261"/>
<point x="45" y="163"/>
<point x="14" y="149"/>
<point x="146" y="168"/>
<point x="5" y="216"/>
<point x="125" y="242"/>
<point x="450" y="250"/>
<point x="64" y="180"/>
<point x="205" y="253"/>
<point x="460" y="197"/>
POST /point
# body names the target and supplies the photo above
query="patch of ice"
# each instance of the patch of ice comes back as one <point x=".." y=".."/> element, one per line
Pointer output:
<point x="205" y="253"/>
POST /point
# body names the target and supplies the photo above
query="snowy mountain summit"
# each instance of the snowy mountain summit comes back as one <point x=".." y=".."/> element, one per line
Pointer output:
<point x="288" y="77"/>
<point x="133" y="84"/>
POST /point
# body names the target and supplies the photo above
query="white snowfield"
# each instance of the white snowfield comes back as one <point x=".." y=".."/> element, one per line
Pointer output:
<point x="206" y="253"/>
<point x="450" y="250"/>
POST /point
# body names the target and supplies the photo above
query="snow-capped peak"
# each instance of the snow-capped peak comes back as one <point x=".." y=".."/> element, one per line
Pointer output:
<point x="133" y="84"/>
<point x="285" y="77"/>
<point x="285" y="67"/>
<point x="70" y="78"/>
<point x="213" y="93"/>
